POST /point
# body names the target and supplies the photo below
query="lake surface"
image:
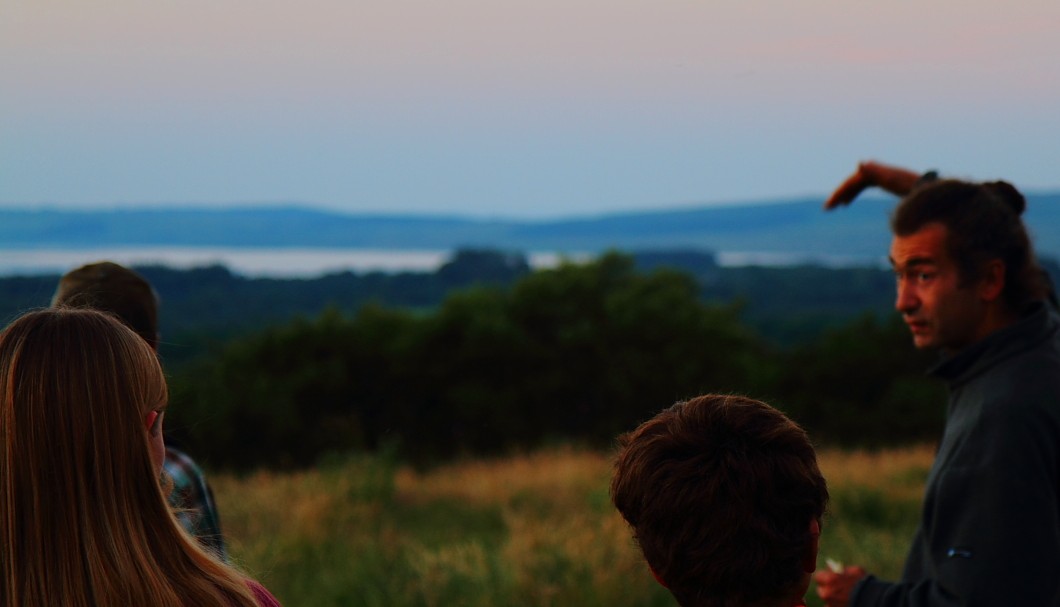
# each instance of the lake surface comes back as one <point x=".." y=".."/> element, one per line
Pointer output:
<point x="289" y="263"/>
<point x="311" y="262"/>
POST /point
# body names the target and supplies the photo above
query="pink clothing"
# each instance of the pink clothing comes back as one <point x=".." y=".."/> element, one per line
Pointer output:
<point x="263" y="596"/>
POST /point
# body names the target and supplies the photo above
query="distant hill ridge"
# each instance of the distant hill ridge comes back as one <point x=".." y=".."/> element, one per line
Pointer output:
<point x="798" y="226"/>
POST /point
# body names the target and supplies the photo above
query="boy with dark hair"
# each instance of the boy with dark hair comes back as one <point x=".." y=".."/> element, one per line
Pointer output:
<point x="725" y="500"/>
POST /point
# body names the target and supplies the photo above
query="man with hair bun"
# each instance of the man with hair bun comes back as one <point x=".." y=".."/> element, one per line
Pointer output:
<point x="725" y="500"/>
<point x="968" y="285"/>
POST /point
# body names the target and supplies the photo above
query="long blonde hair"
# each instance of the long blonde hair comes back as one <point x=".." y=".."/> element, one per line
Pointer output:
<point x="83" y="519"/>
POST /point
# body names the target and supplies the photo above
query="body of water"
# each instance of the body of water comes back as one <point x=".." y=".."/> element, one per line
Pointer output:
<point x="782" y="259"/>
<point x="311" y="262"/>
<point x="253" y="262"/>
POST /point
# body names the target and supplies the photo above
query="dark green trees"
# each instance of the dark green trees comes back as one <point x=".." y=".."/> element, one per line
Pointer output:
<point x="580" y="352"/>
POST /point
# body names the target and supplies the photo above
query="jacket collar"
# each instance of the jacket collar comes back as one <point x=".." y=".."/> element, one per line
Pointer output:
<point x="1036" y="325"/>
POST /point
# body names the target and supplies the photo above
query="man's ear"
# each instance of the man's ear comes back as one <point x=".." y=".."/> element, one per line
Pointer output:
<point x="809" y="562"/>
<point x="993" y="279"/>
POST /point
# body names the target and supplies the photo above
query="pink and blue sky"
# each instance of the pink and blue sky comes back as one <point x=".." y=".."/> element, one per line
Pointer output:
<point x="515" y="108"/>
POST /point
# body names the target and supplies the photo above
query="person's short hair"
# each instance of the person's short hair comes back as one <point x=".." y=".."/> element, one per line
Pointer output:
<point x="721" y="492"/>
<point x="112" y="288"/>
<point x="983" y="222"/>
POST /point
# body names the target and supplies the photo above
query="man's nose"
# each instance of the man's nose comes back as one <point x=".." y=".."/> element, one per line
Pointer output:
<point x="907" y="300"/>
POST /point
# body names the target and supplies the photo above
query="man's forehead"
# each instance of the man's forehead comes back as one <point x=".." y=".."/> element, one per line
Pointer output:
<point x="912" y="262"/>
<point x="925" y="246"/>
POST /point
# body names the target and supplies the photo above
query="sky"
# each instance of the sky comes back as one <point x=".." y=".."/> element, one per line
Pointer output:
<point x="515" y="108"/>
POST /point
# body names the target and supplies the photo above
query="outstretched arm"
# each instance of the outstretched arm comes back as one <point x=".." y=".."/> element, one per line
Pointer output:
<point x="896" y="180"/>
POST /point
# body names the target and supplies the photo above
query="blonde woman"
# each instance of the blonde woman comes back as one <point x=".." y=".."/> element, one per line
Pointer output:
<point x="83" y="516"/>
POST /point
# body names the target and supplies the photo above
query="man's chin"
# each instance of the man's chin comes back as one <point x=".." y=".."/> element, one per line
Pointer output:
<point x="924" y="342"/>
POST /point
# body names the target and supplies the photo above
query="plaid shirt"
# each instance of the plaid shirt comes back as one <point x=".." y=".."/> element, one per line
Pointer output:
<point x="192" y="499"/>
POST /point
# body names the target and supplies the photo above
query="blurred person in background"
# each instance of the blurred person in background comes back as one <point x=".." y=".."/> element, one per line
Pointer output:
<point x="124" y="293"/>
<point x="968" y="285"/>
<point x="725" y="500"/>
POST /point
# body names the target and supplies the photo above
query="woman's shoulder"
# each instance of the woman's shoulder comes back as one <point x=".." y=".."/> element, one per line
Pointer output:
<point x="263" y="596"/>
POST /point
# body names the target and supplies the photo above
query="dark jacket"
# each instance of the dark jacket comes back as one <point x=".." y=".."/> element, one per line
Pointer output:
<point x="990" y="529"/>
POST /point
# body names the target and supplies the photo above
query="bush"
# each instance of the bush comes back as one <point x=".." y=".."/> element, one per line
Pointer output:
<point x="579" y="353"/>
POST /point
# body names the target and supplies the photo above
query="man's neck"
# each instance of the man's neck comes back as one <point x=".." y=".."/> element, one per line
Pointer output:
<point x="996" y="318"/>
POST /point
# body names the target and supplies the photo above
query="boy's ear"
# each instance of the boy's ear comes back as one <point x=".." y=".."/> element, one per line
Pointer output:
<point x="657" y="577"/>
<point x="809" y="563"/>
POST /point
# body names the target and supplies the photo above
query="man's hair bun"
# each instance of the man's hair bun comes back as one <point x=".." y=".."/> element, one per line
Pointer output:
<point x="1009" y="194"/>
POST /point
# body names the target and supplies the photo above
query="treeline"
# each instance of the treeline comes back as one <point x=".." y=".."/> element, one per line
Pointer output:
<point x="203" y="308"/>
<point x="577" y="353"/>
<point x="485" y="355"/>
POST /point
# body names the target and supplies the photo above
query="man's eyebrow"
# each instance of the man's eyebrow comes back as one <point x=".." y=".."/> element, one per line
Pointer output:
<point x="914" y="262"/>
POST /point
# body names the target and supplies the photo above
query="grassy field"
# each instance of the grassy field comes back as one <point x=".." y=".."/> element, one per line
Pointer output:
<point x="534" y="530"/>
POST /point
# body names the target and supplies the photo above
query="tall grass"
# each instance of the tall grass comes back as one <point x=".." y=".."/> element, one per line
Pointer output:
<point x="530" y="530"/>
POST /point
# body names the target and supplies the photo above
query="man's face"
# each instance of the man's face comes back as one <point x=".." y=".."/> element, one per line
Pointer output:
<point x="940" y="312"/>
